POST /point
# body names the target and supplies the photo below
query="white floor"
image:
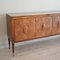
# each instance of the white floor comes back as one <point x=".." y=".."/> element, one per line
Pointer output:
<point x="43" y="50"/>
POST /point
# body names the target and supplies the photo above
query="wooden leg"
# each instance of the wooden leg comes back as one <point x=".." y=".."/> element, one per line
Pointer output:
<point x="13" y="48"/>
<point x="9" y="42"/>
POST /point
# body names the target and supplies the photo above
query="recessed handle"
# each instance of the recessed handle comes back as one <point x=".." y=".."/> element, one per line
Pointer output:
<point x="58" y="24"/>
<point x="25" y="29"/>
<point x="43" y="25"/>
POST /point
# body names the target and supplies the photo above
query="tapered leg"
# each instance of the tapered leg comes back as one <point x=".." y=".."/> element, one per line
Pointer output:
<point x="13" y="48"/>
<point x="9" y="42"/>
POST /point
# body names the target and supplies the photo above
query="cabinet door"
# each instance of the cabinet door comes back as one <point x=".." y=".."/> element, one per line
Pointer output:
<point x="39" y="26"/>
<point x="24" y="28"/>
<point x="58" y="24"/>
<point x="47" y="25"/>
<point x="29" y="27"/>
<point x="54" y="24"/>
<point x="19" y="34"/>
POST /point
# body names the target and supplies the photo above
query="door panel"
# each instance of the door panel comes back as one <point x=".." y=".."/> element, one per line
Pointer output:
<point x="58" y="24"/>
<point x="25" y="28"/>
<point x="54" y="24"/>
<point x="19" y="34"/>
<point x="39" y="26"/>
<point x="47" y="25"/>
<point x="29" y="27"/>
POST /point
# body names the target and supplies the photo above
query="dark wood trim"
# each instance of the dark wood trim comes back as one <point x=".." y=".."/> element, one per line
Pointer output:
<point x="9" y="42"/>
<point x="13" y="48"/>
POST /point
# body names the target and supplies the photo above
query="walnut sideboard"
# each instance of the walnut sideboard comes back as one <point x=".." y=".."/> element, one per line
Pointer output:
<point x="28" y="26"/>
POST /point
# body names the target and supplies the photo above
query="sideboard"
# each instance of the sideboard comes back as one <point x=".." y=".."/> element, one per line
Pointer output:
<point x="31" y="25"/>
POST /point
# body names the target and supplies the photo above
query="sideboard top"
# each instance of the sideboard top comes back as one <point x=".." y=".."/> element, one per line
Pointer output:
<point x="32" y="13"/>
